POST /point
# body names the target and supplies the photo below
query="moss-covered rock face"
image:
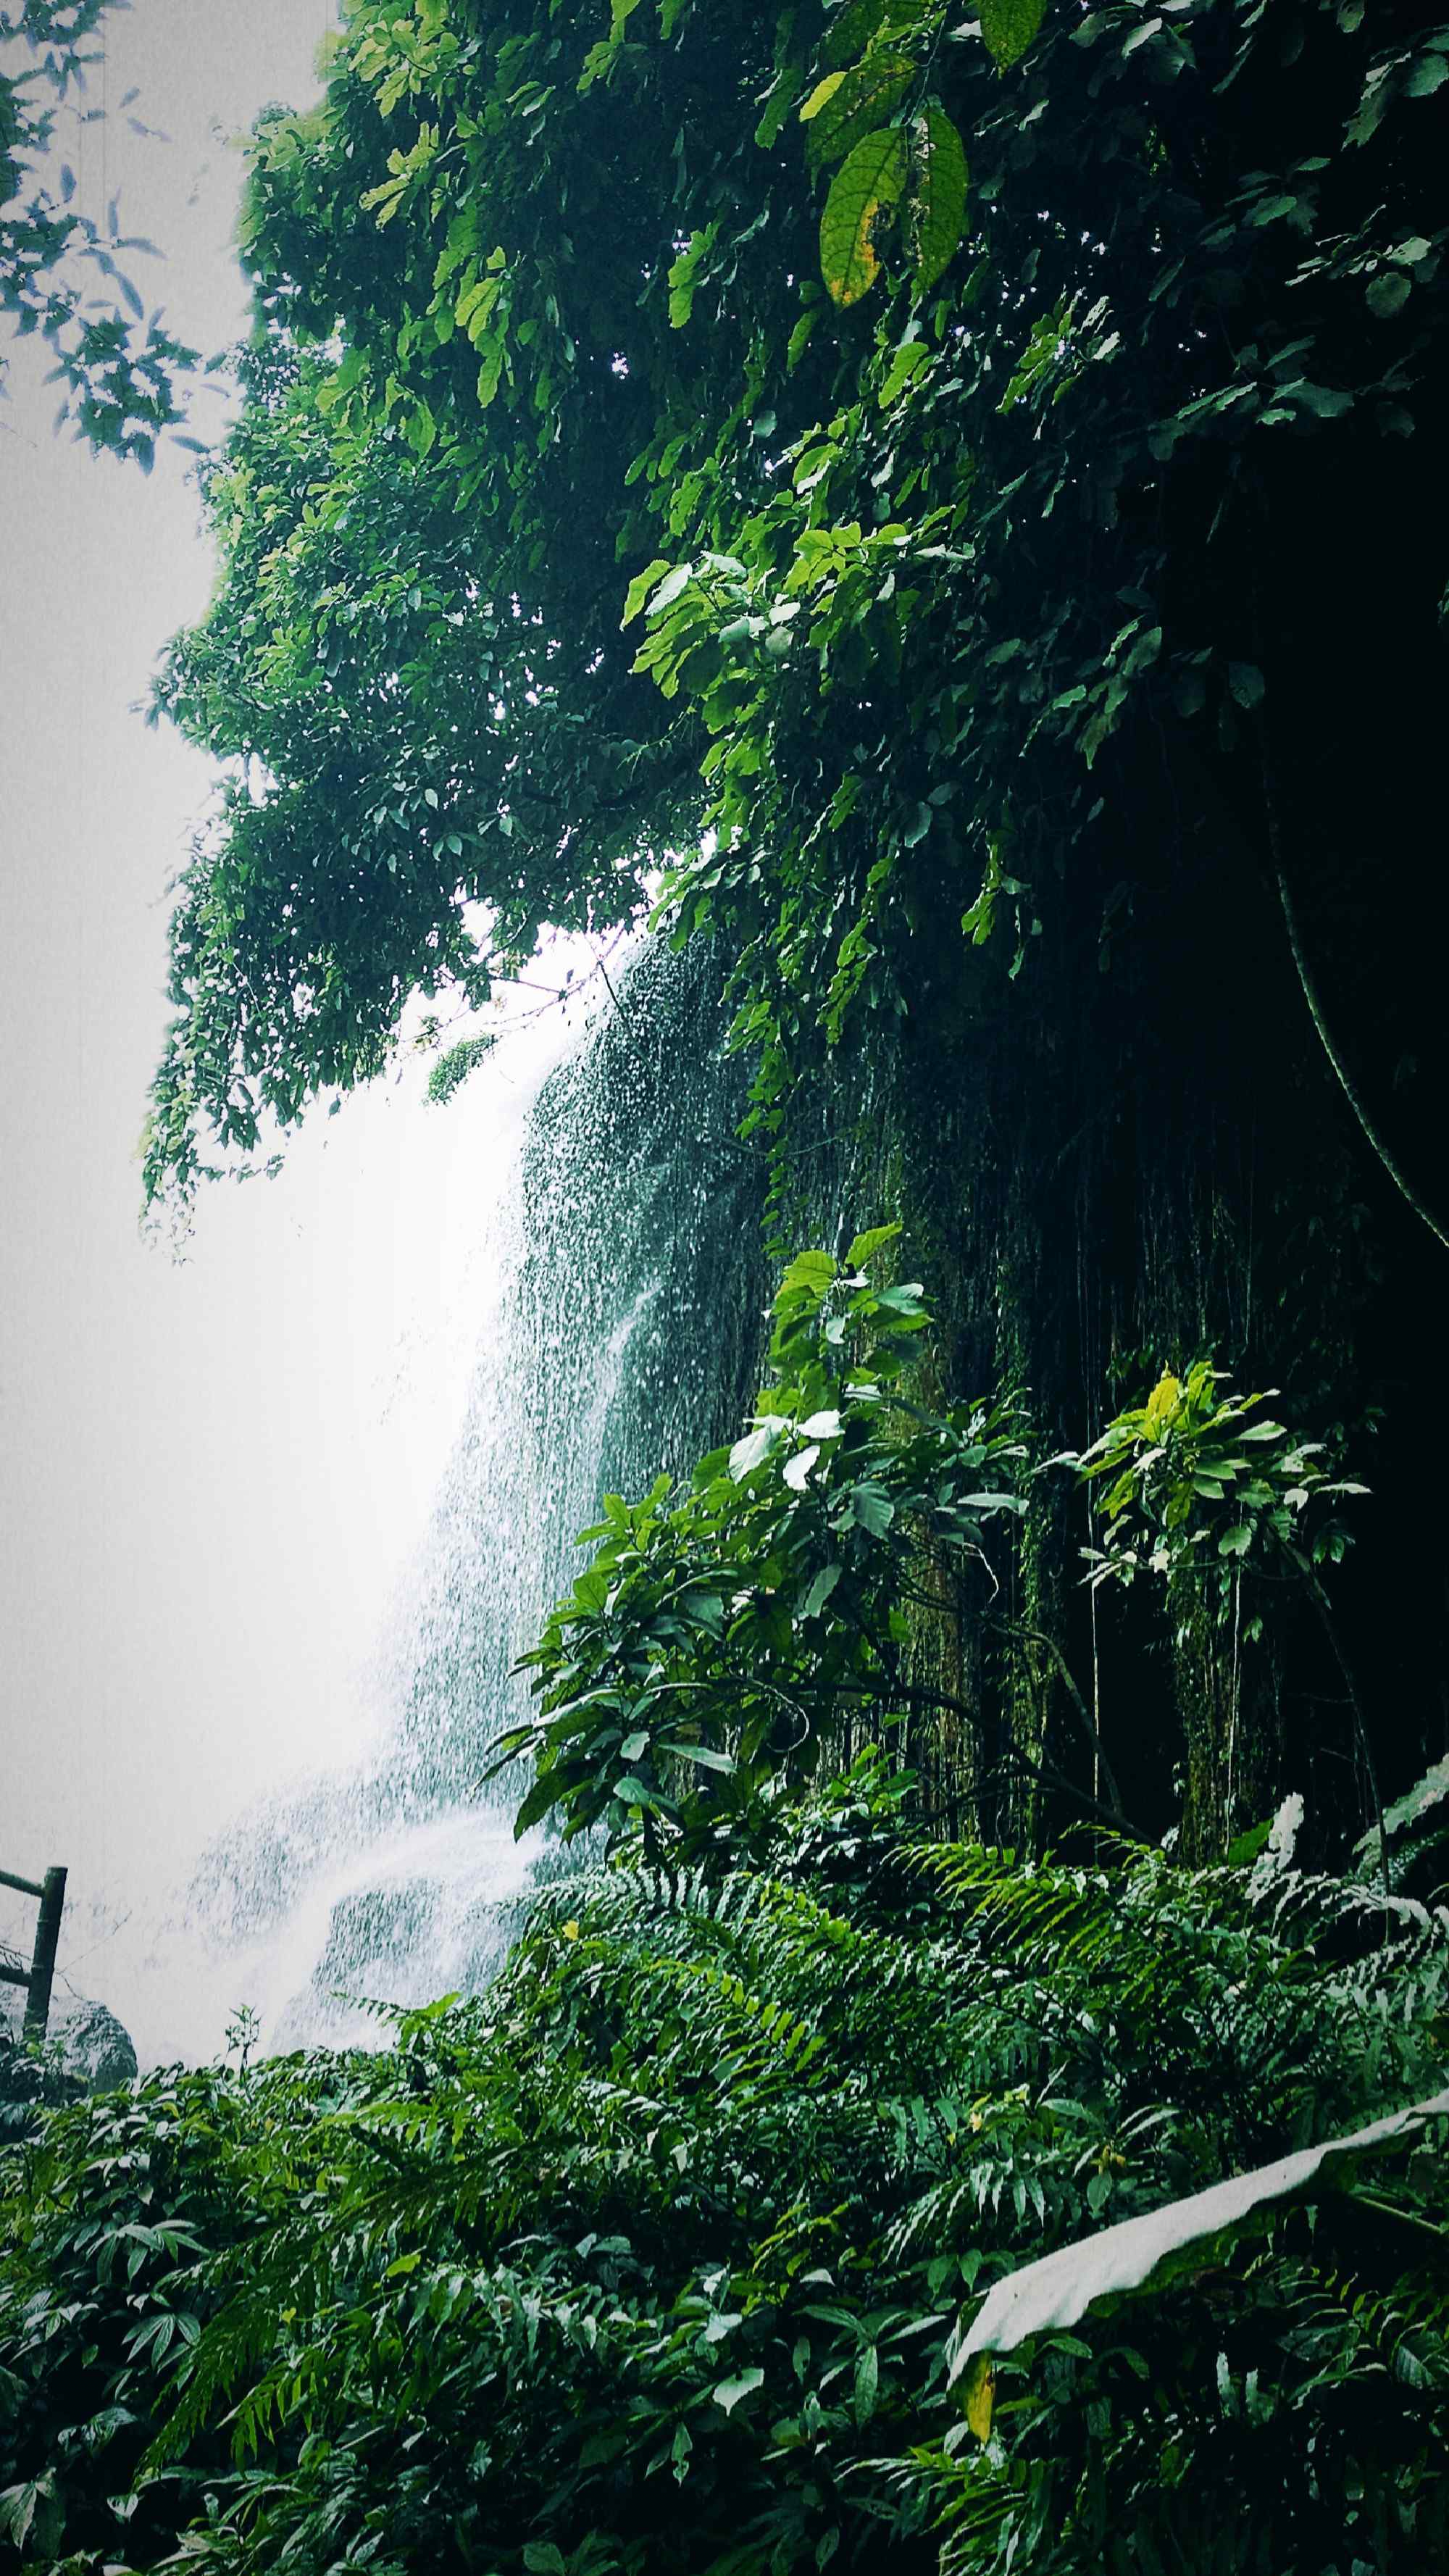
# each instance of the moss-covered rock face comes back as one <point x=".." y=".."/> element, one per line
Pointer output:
<point x="1100" y="1177"/>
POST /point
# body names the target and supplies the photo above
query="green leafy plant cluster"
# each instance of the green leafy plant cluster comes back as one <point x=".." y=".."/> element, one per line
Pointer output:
<point x="667" y="2253"/>
<point x="27" y="2084"/>
<point x="1204" y="1492"/>
<point x="120" y="370"/>
<point x="456" y="1063"/>
<point x="722" y="1641"/>
<point x="839" y="1571"/>
<point x="806" y="2188"/>
<point x="1190" y="1479"/>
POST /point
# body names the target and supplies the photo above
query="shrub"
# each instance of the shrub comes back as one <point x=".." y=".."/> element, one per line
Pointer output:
<point x="659" y="2255"/>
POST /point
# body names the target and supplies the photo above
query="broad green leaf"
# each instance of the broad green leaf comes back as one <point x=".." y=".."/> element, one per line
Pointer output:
<point x="1009" y="26"/>
<point x="800" y="336"/>
<point x="783" y="91"/>
<point x="819" y="1590"/>
<point x="670" y="589"/>
<point x="857" y="104"/>
<point x="1050" y="2296"/>
<point x="1385" y="294"/>
<point x="754" y="1449"/>
<point x="640" y="587"/>
<point x="684" y="274"/>
<point x="905" y="365"/>
<point x="1245" y="1848"/>
<point x="866" y="186"/>
<point x="813" y="1270"/>
<point x="1419" y="1801"/>
<point x="729" y="2391"/>
<point x="633" y="1792"/>
<point x="544" y="1794"/>
<point x="938" y="194"/>
<point x="17" y="2512"/>
<point x="902" y="1300"/>
<point x="867" y="1245"/>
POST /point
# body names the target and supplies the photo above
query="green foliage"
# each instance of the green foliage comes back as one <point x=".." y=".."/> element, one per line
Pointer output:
<point x="27" y="2084"/>
<point x="543" y="345"/>
<point x="456" y="1063"/>
<point x="1194" y="1483"/>
<point x="1414" y="1835"/>
<point x="1058" y="2290"/>
<point x="59" y="270"/>
<point x="659" y="2254"/>
<point x="719" y="1640"/>
<point x="1009" y="26"/>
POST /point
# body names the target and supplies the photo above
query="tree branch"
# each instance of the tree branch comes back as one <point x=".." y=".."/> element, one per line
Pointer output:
<point x="1048" y="1773"/>
<point x="1347" y="1084"/>
<point x="1038" y="1637"/>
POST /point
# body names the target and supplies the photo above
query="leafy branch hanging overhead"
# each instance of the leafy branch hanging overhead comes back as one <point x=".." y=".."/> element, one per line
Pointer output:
<point x="957" y="360"/>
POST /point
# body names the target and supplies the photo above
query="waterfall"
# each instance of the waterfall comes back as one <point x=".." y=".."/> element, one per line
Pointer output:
<point x="624" y="1340"/>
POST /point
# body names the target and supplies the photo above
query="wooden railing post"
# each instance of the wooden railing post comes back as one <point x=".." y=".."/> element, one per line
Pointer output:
<point x="39" y="1977"/>
<point x="42" y="1965"/>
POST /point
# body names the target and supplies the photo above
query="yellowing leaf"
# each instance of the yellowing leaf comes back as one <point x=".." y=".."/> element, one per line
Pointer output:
<point x="980" y="2394"/>
<point x="938" y="193"/>
<point x="867" y="182"/>
<point x="847" y="105"/>
<point x="1162" y="1402"/>
<point x="571" y="1931"/>
<point x="822" y="91"/>
<point x="1009" y="27"/>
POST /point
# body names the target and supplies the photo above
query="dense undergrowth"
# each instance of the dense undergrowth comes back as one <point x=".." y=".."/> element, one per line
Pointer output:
<point x="676" y="2249"/>
<point x="659" y="2254"/>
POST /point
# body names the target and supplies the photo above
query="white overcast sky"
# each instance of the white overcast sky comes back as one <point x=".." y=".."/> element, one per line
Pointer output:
<point x="212" y="1473"/>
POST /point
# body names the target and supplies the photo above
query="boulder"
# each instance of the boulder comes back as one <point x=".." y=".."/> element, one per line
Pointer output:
<point x="96" y="2049"/>
<point x="91" y="2048"/>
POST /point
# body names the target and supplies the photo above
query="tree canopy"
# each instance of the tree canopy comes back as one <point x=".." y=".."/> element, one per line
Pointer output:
<point x="803" y="468"/>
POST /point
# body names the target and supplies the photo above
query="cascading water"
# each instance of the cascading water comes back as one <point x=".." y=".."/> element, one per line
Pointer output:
<point x="625" y="1341"/>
